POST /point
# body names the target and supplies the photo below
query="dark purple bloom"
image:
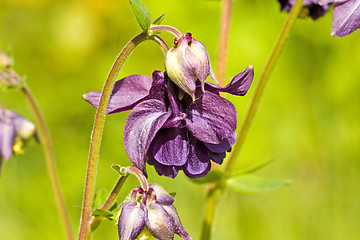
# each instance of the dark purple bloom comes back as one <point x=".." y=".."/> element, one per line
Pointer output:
<point x="311" y="8"/>
<point x="14" y="130"/>
<point x="152" y="209"/>
<point x="176" y="133"/>
<point x="346" y="14"/>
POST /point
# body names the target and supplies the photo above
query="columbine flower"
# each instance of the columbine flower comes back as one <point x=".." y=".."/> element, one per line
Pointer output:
<point x="311" y="8"/>
<point x="153" y="210"/>
<point x="346" y="14"/>
<point x="175" y="133"/>
<point x="14" y="130"/>
<point x="187" y="62"/>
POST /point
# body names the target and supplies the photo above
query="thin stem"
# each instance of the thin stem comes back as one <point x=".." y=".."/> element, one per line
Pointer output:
<point x="161" y="43"/>
<point x="255" y="102"/>
<point x="109" y="202"/>
<point x="142" y="179"/>
<point x="154" y="29"/>
<point x="223" y="41"/>
<point x="212" y="198"/>
<point x="50" y="161"/>
<point x="85" y="232"/>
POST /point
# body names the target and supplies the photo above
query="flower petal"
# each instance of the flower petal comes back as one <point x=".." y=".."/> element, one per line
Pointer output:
<point x="162" y="197"/>
<point x="217" y="157"/>
<point x="131" y="220"/>
<point x="126" y="93"/>
<point x="346" y="18"/>
<point x="239" y="85"/>
<point x="223" y="146"/>
<point x="211" y="118"/>
<point x="179" y="229"/>
<point x="168" y="171"/>
<point x="141" y="126"/>
<point x="171" y="146"/>
<point x="7" y="136"/>
<point x="198" y="164"/>
<point x="159" y="223"/>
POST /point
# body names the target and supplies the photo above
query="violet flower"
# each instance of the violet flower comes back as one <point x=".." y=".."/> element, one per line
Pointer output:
<point x="151" y="210"/>
<point x="14" y="130"/>
<point x="346" y="13"/>
<point x="175" y="134"/>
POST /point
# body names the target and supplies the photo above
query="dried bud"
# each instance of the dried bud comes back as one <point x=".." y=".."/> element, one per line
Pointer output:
<point x="186" y="62"/>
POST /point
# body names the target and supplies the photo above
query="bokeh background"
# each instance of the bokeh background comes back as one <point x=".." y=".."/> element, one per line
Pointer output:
<point x="308" y="120"/>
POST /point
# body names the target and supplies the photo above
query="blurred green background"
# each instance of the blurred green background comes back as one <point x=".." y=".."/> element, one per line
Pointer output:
<point x="308" y="120"/>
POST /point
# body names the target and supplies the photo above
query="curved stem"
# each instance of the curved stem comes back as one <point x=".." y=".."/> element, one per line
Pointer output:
<point x="50" y="161"/>
<point x="161" y="43"/>
<point x="212" y="197"/>
<point x="223" y="41"/>
<point x="85" y="232"/>
<point x="154" y="29"/>
<point x="255" y="102"/>
<point x="142" y="179"/>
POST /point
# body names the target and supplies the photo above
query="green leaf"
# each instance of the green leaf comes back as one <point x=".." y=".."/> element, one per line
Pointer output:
<point x="120" y="170"/>
<point x="255" y="167"/>
<point x="212" y="176"/>
<point x="102" y="213"/>
<point x="100" y="197"/>
<point x="248" y="183"/>
<point x="141" y="14"/>
<point x="159" y="19"/>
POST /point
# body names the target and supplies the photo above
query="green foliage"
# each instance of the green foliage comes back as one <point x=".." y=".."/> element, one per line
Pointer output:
<point x="158" y="20"/>
<point x="141" y="13"/>
<point x="249" y="183"/>
<point x="211" y="177"/>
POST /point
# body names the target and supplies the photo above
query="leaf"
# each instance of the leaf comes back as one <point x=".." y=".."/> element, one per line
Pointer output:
<point x="141" y="14"/>
<point x="255" y="167"/>
<point x="159" y="19"/>
<point x="102" y="213"/>
<point x="100" y="197"/>
<point x="212" y="176"/>
<point x="117" y="169"/>
<point x="249" y="183"/>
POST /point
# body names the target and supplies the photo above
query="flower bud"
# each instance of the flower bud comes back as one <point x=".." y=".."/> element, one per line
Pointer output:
<point x="4" y="60"/>
<point x="187" y="62"/>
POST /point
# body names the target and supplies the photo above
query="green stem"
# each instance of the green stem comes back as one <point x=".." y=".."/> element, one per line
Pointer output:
<point x="223" y="41"/>
<point x="212" y="198"/>
<point x="50" y="161"/>
<point x="109" y="202"/>
<point x="259" y="91"/>
<point x="84" y="232"/>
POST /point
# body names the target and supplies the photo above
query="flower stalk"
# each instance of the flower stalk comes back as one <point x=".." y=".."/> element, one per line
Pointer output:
<point x="216" y="191"/>
<point x="85" y="232"/>
<point x="50" y="161"/>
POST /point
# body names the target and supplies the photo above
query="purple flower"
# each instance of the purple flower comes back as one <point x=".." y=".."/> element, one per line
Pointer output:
<point x="346" y="14"/>
<point x="152" y="209"/>
<point x="176" y="133"/>
<point x="311" y="8"/>
<point x="14" y="130"/>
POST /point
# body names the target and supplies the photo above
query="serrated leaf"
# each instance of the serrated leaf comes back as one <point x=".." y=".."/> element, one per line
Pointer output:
<point x="100" y="197"/>
<point x="249" y="183"/>
<point x="211" y="177"/>
<point x="102" y="213"/>
<point x="142" y="15"/>
<point x="159" y="19"/>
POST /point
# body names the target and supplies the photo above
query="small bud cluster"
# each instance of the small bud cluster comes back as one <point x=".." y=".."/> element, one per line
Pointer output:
<point x="7" y="75"/>
<point x="150" y="211"/>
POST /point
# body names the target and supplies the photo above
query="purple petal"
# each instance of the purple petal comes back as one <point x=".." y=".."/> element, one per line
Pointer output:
<point x="162" y="197"/>
<point x="179" y="229"/>
<point x="217" y="157"/>
<point x="126" y="93"/>
<point x="198" y="164"/>
<point x="159" y="223"/>
<point x="171" y="146"/>
<point x="346" y="18"/>
<point x="131" y="220"/>
<point x="158" y="88"/>
<point x="239" y="85"/>
<point x="7" y="137"/>
<point x="168" y="171"/>
<point x="223" y="146"/>
<point x="141" y="126"/>
<point x="211" y="118"/>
